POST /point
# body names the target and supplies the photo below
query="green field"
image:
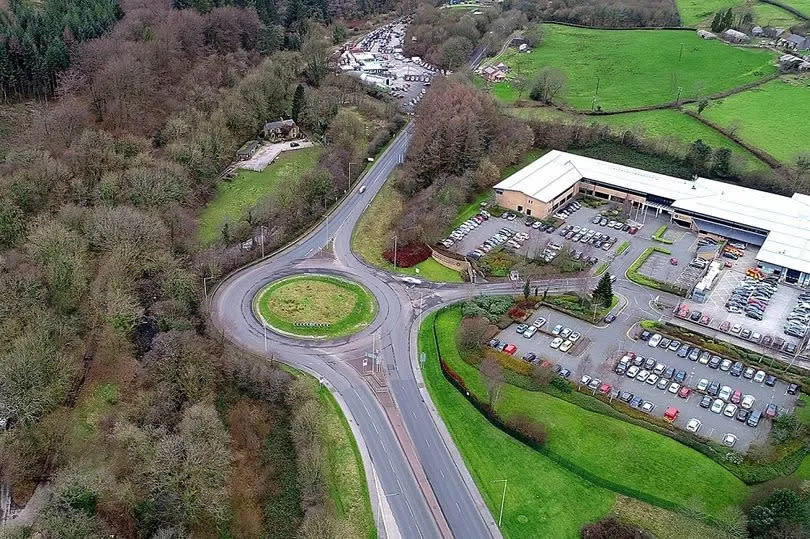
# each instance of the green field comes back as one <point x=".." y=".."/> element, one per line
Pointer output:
<point x="234" y="198"/>
<point x="770" y="15"/>
<point x="696" y="12"/>
<point x="665" y="125"/>
<point x="634" y="68"/>
<point x="372" y="236"/>
<point x="783" y="131"/>
<point x="617" y="451"/>
<point x="343" y="307"/>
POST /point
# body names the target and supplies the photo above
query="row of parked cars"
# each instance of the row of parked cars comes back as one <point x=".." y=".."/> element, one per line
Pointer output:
<point x="465" y="228"/>
<point x="799" y="318"/>
<point x="616" y="225"/>
<point x="568" y="210"/>
<point x="751" y="297"/>
<point x="540" y="225"/>
<point x="583" y="235"/>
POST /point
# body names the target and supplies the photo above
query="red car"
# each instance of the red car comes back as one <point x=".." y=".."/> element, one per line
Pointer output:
<point x="671" y="413"/>
<point x="684" y="392"/>
<point x="673" y="261"/>
<point x="510" y="349"/>
<point x="725" y="326"/>
<point x="604" y="389"/>
<point x="736" y="396"/>
<point x="706" y="320"/>
<point x="633" y="229"/>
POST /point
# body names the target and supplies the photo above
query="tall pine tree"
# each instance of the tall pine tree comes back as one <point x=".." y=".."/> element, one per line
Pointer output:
<point x="298" y="102"/>
<point x="604" y="291"/>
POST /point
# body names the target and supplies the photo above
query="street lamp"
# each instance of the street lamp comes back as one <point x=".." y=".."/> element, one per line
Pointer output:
<point x="503" y="498"/>
<point x="349" y="178"/>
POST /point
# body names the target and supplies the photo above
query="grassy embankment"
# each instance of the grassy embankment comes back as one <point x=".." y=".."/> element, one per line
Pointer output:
<point x="546" y="500"/>
<point x="373" y="234"/>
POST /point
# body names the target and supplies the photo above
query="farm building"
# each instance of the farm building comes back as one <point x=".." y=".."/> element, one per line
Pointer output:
<point x="757" y="31"/>
<point x="493" y="74"/>
<point x="280" y="130"/>
<point x="789" y="62"/>
<point x="705" y="34"/>
<point x="733" y="36"/>
<point x="794" y="42"/>
<point x="776" y="223"/>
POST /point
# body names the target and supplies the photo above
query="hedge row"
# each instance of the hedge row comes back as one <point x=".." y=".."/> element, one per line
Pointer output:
<point x="659" y="235"/>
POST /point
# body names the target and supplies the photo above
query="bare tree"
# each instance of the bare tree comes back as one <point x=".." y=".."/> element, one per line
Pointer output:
<point x="493" y="378"/>
<point x="548" y="84"/>
<point x="472" y="331"/>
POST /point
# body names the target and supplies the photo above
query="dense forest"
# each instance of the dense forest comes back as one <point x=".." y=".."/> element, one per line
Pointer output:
<point x="142" y="423"/>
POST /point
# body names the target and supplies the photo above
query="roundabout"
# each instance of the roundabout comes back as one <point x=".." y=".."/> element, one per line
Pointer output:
<point x="315" y="306"/>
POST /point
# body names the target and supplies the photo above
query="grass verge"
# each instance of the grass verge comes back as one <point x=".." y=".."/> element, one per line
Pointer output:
<point x="348" y="488"/>
<point x="659" y="235"/>
<point x="627" y="455"/>
<point x="542" y="499"/>
<point x="373" y="233"/>
<point x="244" y="192"/>
<point x="316" y="306"/>
<point x="625" y="245"/>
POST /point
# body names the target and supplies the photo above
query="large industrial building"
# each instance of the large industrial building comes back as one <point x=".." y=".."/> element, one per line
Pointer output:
<point x="778" y="225"/>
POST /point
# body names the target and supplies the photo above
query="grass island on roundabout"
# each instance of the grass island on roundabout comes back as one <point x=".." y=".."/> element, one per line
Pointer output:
<point x="315" y="306"/>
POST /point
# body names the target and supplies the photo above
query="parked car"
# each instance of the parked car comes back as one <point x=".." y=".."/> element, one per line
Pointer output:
<point x="693" y="425"/>
<point x="753" y="419"/>
<point x="793" y="389"/>
<point x="530" y="331"/>
<point x="654" y="340"/>
<point x="770" y="380"/>
<point x="736" y="396"/>
<point x="730" y="410"/>
<point x="674" y="387"/>
<point x="749" y="373"/>
<point x="647" y="407"/>
<point x="540" y="322"/>
<point x="714" y="389"/>
<point x="717" y="406"/>
<point x="604" y="389"/>
<point x="747" y="402"/>
<point x="759" y="377"/>
<point x="729" y="440"/>
<point x="725" y="393"/>
<point x="585" y="380"/>
<point x="632" y="371"/>
<point x="706" y="401"/>
<point x="556" y="342"/>
<point x="566" y="346"/>
<point x="742" y="415"/>
<point x="771" y="410"/>
<point x="684" y="392"/>
<point x="565" y="333"/>
<point x="702" y="385"/>
<point x="510" y="349"/>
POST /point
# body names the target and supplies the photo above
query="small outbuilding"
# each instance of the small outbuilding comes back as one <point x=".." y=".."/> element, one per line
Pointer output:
<point x="735" y="36"/>
<point x="757" y="31"/>
<point x="247" y="150"/>
<point x="705" y="34"/>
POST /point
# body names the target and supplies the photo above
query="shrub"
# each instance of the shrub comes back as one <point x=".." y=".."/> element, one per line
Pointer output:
<point x="516" y="313"/>
<point x="611" y="528"/>
<point x="528" y="427"/>
<point x="408" y="256"/>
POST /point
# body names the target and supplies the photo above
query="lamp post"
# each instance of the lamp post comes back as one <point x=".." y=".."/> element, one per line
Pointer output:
<point x="349" y="177"/>
<point x="262" y="241"/>
<point x="503" y="498"/>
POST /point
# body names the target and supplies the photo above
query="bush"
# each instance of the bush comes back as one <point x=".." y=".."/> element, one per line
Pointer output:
<point x="516" y="313"/>
<point x="408" y="256"/>
<point x="528" y="428"/>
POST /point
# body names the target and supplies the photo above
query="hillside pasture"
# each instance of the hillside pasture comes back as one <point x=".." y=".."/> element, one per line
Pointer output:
<point x="621" y="69"/>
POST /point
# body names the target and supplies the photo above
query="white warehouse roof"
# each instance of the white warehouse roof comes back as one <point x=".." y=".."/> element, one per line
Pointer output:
<point x="786" y="219"/>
